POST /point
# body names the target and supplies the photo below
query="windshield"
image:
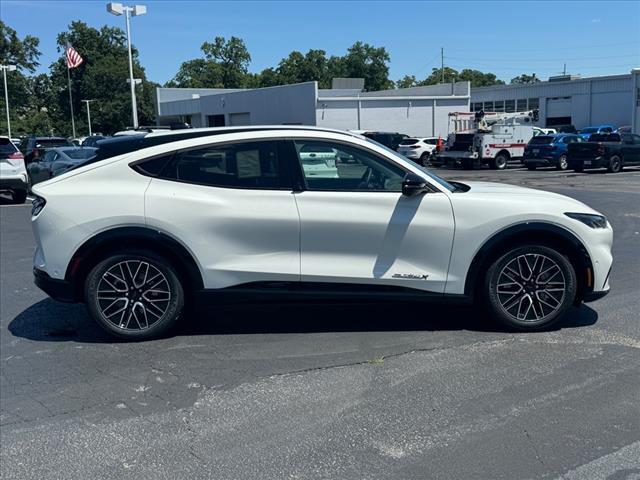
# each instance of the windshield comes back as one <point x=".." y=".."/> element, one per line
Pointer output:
<point x="440" y="181"/>
<point x="51" y="142"/>
<point x="409" y="141"/>
<point x="6" y="147"/>
<point x="541" y="140"/>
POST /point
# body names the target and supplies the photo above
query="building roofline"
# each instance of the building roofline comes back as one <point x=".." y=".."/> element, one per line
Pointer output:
<point x="547" y="82"/>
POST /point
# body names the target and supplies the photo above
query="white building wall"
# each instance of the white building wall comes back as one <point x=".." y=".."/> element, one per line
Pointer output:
<point x="635" y="108"/>
<point x="594" y="101"/>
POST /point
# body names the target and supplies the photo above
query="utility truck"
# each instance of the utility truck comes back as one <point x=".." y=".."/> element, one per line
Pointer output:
<point x="483" y="138"/>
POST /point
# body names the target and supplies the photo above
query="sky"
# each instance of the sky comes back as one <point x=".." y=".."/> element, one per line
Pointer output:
<point x="503" y="37"/>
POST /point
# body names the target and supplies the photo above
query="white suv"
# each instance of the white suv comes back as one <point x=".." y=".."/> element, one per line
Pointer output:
<point x="13" y="174"/>
<point x="421" y="150"/>
<point x="159" y="221"/>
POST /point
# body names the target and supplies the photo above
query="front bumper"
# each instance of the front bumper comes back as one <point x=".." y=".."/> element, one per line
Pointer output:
<point x="593" y="296"/>
<point x="60" y="290"/>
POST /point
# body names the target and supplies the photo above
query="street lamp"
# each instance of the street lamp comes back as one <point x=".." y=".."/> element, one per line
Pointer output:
<point x="10" y="68"/>
<point x="119" y="9"/>
<point x="88" y="113"/>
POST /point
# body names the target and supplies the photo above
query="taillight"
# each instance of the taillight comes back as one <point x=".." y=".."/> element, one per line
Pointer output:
<point x="37" y="205"/>
<point x="16" y="156"/>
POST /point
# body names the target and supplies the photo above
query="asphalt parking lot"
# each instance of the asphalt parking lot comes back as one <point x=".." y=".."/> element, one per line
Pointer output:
<point x="328" y="391"/>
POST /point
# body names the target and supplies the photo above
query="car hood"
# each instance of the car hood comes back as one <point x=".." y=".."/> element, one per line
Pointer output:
<point x="524" y="194"/>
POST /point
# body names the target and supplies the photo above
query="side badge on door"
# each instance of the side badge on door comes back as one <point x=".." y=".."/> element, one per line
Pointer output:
<point x="410" y="276"/>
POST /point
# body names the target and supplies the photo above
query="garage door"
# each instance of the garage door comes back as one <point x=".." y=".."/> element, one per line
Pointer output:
<point x="243" y="118"/>
<point x="559" y="107"/>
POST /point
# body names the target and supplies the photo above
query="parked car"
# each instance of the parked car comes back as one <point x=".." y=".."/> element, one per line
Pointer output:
<point x="13" y="175"/>
<point x="156" y="222"/>
<point x="93" y="140"/>
<point x="37" y="146"/>
<point x="543" y="131"/>
<point x="56" y="161"/>
<point x="612" y="151"/>
<point x="588" y="131"/>
<point x="567" y="129"/>
<point x="318" y="161"/>
<point x="420" y="149"/>
<point x="549" y="151"/>
<point x="624" y="129"/>
<point x="390" y="140"/>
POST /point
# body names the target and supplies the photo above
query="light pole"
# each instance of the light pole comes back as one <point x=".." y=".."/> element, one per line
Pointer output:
<point x="11" y="68"/>
<point x="88" y="113"/>
<point x="119" y="9"/>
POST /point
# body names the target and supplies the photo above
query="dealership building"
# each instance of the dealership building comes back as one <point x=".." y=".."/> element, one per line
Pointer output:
<point x="567" y="100"/>
<point x="416" y="111"/>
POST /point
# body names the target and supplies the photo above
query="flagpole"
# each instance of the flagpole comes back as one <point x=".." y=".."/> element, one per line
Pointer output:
<point x="73" y="122"/>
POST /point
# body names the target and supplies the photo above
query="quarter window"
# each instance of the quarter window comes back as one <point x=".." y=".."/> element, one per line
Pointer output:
<point x="239" y="165"/>
<point x="337" y="167"/>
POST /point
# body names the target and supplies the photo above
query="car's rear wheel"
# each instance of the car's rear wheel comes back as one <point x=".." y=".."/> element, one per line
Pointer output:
<point x="134" y="295"/>
<point x="424" y="159"/>
<point x="563" y="164"/>
<point x="19" y="196"/>
<point x="529" y="288"/>
<point x="615" y="164"/>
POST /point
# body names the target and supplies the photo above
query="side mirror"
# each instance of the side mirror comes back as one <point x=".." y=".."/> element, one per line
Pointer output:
<point x="413" y="185"/>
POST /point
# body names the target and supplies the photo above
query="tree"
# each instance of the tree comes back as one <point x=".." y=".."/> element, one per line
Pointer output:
<point x="407" y="81"/>
<point x="225" y="65"/>
<point x="24" y="55"/>
<point x="450" y="76"/>
<point x="524" y="79"/>
<point x="298" y="68"/>
<point x="478" y="78"/>
<point x="363" y="61"/>
<point x="102" y="77"/>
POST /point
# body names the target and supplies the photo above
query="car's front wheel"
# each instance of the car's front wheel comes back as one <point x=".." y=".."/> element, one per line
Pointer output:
<point x="563" y="164"/>
<point x="530" y="288"/>
<point x="134" y="295"/>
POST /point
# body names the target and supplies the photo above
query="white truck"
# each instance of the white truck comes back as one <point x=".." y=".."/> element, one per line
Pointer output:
<point x="491" y="138"/>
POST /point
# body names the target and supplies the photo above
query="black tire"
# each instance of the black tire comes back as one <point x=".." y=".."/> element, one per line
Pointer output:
<point x="544" y="306"/>
<point x="531" y="167"/>
<point x="615" y="164"/>
<point x="563" y="164"/>
<point x="500" y="162"/>
<point x="467" y="163"/>
<point x="424" y="159"/>
<point x="157" y="298"/>
<point x="18" y="196"/>
<point x="578" y="169"/>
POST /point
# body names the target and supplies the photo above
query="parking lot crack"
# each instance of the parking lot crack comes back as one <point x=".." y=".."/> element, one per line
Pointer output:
<point x="535" y="447"/>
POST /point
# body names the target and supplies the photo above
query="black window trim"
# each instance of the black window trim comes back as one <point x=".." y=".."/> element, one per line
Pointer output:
<point x="300" y="181"/>
<point x="279" y="151"/>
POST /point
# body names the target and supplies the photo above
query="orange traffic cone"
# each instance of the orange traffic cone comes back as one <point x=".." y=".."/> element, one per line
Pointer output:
<point x="439" y="144"/>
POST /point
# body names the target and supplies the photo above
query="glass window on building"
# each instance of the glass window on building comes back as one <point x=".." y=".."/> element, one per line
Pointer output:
<point x="499" y="106"/>
<point x="488" y="106"/>
<point x="509" y="106"/>
<point x="476" y="107"/>
<point x="521" y="105"/>
<point x="534" y="103"/>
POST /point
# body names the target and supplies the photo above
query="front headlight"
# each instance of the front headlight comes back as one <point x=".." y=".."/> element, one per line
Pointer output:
<point x="590" y="219"/>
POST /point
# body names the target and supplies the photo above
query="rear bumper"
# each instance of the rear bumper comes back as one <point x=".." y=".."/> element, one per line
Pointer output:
<point x="60" y="290"/>
<point x="590" y="162"/>
<point x="13" y="183"/>
<point x="540" y="161"/>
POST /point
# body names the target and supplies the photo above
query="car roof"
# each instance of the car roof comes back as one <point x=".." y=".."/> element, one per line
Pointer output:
<point x="113" y="146"/>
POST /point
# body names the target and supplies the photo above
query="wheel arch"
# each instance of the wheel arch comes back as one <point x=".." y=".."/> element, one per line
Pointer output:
<point x="99" y="246"/>
<point x="503" y="152"/>
<point x="539" y="233"/>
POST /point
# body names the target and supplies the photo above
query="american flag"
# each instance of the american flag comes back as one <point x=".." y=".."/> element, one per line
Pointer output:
<point x="73" y="58"/>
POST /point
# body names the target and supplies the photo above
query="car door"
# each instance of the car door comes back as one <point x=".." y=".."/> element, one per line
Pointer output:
<point x="359" y="228"/>
<point x="39" y="168"/>
<point x="630" y="148"/>
<point x="232" y="206"/>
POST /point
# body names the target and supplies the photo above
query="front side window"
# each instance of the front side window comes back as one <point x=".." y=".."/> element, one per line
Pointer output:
<point x="237" y="165"/>
<point x="337" y="167"/>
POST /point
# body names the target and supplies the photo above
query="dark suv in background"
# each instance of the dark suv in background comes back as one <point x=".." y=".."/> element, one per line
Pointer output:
<point x="34" y="147"/>
<point x="388" y="139"/>
<point x="612" y="151"/>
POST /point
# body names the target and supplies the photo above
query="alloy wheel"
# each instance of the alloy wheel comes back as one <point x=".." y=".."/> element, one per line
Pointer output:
<point x="133" y="295"/>
<point x="531" y="287"/>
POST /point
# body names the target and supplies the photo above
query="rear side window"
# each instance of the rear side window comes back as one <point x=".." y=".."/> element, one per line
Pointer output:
<point x="239" y="165"/>
<point x="602" y="137"/>
<point x="52" y="143"/>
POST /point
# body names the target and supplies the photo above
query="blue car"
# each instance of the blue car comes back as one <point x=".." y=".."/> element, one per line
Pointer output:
<point x="586" y="132"/>
<point x="549" y="150"/>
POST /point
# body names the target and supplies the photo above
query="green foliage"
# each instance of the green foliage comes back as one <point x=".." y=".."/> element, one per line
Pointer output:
<point x="524" y="79"/>
<point x="475" y="77"/>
